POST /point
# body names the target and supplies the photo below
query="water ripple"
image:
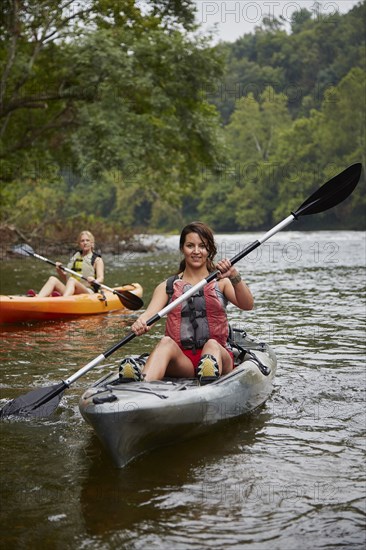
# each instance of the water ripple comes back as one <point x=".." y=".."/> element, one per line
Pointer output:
<point x="288" y="475"/>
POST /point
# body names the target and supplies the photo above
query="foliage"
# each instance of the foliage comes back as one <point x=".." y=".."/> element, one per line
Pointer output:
<point x="316" y="55"/>
<point x="117" y="114"/>
<point x="104" y="102"/>
<point x="324" y="144"/>
<point x="277" y="163"/>
<point x="149" y="121"/>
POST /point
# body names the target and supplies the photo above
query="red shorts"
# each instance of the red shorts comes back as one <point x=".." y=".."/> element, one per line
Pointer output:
<point x="195" y="355"/>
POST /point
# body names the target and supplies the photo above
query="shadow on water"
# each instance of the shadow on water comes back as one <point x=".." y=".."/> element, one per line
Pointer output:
<point x="115" y="500"/>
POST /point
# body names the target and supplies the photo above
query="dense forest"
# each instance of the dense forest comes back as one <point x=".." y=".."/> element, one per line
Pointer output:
<point x="122" y="117"/>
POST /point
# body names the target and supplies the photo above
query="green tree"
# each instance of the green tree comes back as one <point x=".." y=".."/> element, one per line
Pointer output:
<point x="253" y="135"/>
<point x="104" y="91"/>
<point x="316" y="55"/>
<point x="149" y="116"/>
<point x="314" y="149"/>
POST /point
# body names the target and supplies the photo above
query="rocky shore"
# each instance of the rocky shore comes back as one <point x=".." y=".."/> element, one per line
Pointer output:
<point x="10" y="237"/>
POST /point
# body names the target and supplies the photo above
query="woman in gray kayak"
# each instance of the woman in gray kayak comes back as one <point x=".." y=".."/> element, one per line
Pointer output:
<point x="196" y="335"/>
<point x="86" y="262"/>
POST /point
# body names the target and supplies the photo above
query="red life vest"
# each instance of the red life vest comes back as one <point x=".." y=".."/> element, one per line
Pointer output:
<point x="201" y="317"/>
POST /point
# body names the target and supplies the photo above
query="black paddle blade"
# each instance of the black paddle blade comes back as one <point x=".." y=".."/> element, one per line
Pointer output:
<point x="129" y="300"/>
<point x="37" y="403"/>
<point x="332" y="192"/>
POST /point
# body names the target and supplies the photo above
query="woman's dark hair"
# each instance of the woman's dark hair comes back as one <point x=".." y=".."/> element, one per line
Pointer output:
<point x="206" y="236"/>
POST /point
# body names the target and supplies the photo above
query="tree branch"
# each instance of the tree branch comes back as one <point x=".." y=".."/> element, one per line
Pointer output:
<point x="39" y="102"/>
<point x="32" y="134"/>
<point x="39" y="42"/>
<point x="11" y="54"/>
<point x="257" y="144"/>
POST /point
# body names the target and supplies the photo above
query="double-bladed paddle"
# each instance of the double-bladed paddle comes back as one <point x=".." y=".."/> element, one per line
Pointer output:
<point x="128" y="299"/>
<point x="43" y="401"/>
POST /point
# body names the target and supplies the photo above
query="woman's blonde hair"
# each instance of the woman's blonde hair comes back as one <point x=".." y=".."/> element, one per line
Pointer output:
<point x="88" y="234"/>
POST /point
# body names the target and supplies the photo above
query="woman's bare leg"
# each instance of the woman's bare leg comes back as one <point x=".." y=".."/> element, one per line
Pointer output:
<point x="74" y="287"/>
<point x="167" y="358"/>
<point x="52" y="284"/>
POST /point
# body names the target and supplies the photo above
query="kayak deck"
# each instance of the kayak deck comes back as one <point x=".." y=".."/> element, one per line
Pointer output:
<point x="131" y="419"/>
<point x="18" y="309"/>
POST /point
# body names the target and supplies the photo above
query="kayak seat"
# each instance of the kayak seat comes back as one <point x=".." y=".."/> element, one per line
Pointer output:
<point x="208" y="369"/>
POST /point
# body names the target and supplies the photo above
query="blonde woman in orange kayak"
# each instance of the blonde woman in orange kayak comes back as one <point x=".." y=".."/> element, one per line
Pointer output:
<point x="86" y="262"/>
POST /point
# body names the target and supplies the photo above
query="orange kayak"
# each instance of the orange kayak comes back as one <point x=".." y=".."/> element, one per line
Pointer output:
<point x="17" y="309"/>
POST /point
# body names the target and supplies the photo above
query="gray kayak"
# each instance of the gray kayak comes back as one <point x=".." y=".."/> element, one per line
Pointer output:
<point x="134" y="418"/>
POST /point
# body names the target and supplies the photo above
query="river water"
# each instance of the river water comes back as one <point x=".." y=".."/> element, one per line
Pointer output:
<point x="289" y="475"/>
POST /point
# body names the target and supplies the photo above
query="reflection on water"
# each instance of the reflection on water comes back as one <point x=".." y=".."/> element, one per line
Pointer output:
<point x="288" y="475"/>
<point x="42" y="353"/>
<point x="117" y="501"/>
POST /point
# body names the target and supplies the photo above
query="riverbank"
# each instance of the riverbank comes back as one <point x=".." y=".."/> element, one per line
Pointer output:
<point x="64" y="245"/>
